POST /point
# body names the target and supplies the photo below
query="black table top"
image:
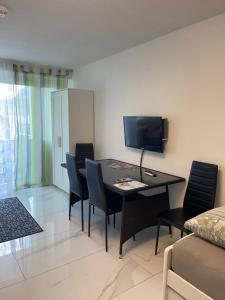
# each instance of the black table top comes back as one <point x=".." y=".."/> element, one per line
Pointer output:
<point x="114" y="170"/>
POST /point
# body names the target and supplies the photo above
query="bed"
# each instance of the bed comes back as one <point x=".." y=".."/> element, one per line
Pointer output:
<point x="194" y="269"/>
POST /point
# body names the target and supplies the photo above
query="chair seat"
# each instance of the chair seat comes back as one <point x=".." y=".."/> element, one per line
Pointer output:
<point x="177" y="217"/>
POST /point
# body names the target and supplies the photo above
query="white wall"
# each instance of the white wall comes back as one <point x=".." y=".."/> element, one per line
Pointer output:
<point x="180" y="76"/>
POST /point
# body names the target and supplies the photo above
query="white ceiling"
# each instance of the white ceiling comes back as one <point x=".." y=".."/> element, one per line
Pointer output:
<point x="69" y="33"/>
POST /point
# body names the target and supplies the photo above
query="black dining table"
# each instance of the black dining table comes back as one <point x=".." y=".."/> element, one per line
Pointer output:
<point x="141" y="213"/>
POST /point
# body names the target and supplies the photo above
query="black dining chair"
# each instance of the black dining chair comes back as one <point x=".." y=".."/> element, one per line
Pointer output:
<point x="199" y="197"/>
<point x="83" y="151"/>
<point x="107" y="201"/>
<point x="78" y="186"/>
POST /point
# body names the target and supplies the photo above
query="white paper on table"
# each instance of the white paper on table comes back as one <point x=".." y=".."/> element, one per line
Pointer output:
<point x="130" y="185"/>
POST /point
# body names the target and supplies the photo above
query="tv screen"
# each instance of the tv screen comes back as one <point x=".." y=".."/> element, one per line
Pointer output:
<point x="144" y="133"/>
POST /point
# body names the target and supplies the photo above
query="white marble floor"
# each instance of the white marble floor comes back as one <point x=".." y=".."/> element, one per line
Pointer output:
<point x="63" y="263"/>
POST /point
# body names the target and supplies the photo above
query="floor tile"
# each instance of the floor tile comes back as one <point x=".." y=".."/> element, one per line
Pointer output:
<point x="96" y="277"/>
<point x="9" y="271"/>
<point x="57" y="223"/>
<point x="41" y="255"/>
<point x="149" y="289"/>
<point x="98" y="233"/>
<point x="142" y="250"/>
<point x="43" y="200"/>
<point x="95" y="218"/>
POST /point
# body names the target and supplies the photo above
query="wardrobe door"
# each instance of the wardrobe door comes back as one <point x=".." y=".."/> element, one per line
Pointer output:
<point x="57" y="138"/>
<point x="73" y="122"/>
<point x="65" y="137"/>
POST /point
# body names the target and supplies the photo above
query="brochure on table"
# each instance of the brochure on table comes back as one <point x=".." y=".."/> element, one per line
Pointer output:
<point x="130" y="185"/>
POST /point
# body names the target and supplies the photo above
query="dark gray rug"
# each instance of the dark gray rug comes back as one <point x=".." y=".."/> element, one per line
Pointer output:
<point x="15" y="220"/>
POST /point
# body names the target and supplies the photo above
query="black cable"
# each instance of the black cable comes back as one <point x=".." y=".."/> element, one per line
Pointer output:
<point x="142" y="154"/>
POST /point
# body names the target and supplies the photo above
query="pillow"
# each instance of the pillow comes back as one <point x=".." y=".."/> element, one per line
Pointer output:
<point x="209" y="226"/>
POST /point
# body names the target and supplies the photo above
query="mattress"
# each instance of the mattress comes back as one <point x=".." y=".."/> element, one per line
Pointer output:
<point x="202" y="264"/>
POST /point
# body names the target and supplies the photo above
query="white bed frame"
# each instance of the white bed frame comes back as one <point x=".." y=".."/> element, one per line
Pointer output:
<point x="174" y="286"/>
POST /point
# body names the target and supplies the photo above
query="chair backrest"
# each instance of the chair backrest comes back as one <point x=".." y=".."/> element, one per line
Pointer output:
<point x="83" y="151"/>
<point x="74" y="179"/>
<point x="201" y="189"/>
<point x="95" y="184"/>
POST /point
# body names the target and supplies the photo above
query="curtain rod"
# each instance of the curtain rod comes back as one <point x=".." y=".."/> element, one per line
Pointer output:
<point x="42" y="70"/>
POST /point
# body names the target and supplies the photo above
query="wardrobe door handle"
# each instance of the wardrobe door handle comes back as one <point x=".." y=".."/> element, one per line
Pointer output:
<point x="59" y="141"/>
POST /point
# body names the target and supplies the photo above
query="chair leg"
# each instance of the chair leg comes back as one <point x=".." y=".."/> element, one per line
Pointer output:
<point x="93" y="209"/>
<point x="170" y="230"/>
<point x="106" y="232"/>
<point x="114" y="220"/>
<point x="70" y="205"/>
<point x="157" y="237"/>
<point x="70" y="210"/>
<point x="89" y="219"/>
<point x="82" y="214"/>
<point x="108" y="219"/>
<point x="181" y="234"/>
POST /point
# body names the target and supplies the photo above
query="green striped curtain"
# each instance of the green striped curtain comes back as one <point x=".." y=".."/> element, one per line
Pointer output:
<point x="28" y="130"/>
<point x="34" y="126"/>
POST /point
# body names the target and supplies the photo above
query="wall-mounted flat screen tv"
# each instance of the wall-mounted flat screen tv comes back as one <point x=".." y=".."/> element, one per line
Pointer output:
<point x="144" y="132"/>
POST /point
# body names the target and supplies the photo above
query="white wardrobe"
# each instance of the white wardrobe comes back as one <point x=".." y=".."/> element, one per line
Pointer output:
<point x="72" y="122"/>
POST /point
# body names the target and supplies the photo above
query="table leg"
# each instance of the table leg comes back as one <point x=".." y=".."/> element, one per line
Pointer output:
<point x="122" y="228"/>
<point x="167" y="208"/>
<point x="168" y="196"/>
<point x="140" y="213"/>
